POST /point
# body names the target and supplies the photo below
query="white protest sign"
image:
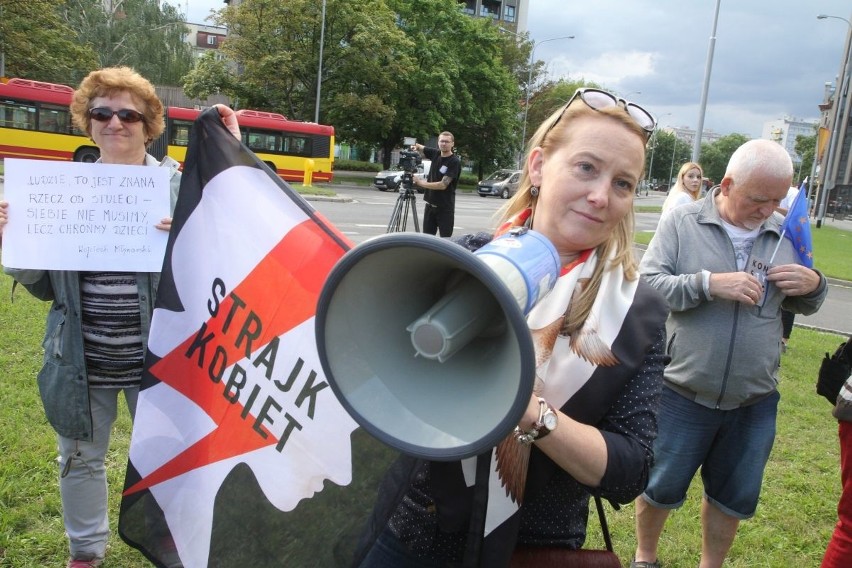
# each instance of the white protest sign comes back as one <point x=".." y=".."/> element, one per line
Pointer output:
<point x="74" y="216"/>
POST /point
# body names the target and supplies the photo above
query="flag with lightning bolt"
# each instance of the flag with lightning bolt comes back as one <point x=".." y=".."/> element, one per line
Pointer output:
<point x="240" y="454"/>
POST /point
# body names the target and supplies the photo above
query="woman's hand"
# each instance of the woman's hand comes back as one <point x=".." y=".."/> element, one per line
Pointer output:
<point x="4" y="217"/>
<point x="165" y="224"/>
<point x="229" y="118"/>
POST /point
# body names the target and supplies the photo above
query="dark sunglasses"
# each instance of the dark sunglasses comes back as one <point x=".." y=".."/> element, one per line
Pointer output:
<point x="103" y="114"/>
<point x="597" y="100"/>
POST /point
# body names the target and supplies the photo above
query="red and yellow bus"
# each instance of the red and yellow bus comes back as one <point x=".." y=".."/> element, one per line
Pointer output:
<point x="284" y="145"/>
<point x="35" y="123"/>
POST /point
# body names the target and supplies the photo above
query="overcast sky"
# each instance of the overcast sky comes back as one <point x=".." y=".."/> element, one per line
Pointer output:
<point x="771" y="58"/>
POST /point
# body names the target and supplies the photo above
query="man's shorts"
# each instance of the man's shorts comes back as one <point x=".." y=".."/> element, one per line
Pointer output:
<point x="730" y="446"/>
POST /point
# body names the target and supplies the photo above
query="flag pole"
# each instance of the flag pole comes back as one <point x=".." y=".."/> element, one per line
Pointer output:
<point x="777" y="246"/>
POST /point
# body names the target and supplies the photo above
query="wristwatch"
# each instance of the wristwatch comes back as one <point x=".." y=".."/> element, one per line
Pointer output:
<point x="547" y="419"/>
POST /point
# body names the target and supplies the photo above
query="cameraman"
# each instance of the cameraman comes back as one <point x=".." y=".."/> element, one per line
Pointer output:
<point x="440" y="186"/>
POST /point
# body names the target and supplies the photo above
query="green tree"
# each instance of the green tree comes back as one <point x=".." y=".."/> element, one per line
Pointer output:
<point x="715" y="156"/>
<point x="551" y="96"/>
<point x="390" y="69"/>
<point x="486" y="121"/>
<point x="273" y="49"/>
<point x="209" y="76"/>
<point x="663" y="146"/>
<point x="805" y="147"/>
<point x="458" y="82"/>
<point x="143" y="34"/>
<point x="38" y="44"/>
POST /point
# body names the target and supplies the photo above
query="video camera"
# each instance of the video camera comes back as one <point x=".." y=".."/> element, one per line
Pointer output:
<point x="409" y="160"/>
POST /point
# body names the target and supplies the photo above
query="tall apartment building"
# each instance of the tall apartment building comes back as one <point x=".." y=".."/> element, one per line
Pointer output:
<point x="785" y="130"/>
<point x="835" y="168"/>
<point x="511" y="14"/>
<point x="687" y="135"/>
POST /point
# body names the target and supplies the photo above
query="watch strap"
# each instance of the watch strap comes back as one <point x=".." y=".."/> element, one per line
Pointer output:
<point x="540" y="427"/>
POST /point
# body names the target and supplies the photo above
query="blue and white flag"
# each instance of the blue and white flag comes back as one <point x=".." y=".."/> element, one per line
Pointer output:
<point x="797" y="228"/>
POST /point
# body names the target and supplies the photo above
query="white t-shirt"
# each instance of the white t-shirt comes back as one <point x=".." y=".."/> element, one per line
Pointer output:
<point x="743" y="241"/>
<point x="787" y="202"/>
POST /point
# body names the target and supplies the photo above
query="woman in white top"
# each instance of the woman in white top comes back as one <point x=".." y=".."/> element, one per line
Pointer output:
<point x="687" y="188"/>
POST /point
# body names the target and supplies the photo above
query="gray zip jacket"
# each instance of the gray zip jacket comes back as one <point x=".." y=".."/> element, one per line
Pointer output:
<point x="63" y="382"/>
<point x="724" y="354"/>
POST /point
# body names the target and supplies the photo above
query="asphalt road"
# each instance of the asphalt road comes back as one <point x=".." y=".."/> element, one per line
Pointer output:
<point x="361" y="212"/>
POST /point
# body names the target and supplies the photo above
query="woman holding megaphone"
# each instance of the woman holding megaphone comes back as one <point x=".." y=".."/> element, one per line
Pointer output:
<point x="600" y="351"/>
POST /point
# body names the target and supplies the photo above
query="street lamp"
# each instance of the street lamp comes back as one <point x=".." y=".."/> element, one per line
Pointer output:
<point x="671" y="169"/>
<point x="319" y="69"/>
<point x="708" y="66"/>
<point x="535" y="44"/>
<point x="829" y="179"/>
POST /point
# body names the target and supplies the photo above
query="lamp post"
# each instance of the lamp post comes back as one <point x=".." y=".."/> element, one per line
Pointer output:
<point x="829" y="179"/>
<point x="535" y="44"/>
<point x="319" y="68"/>
<point x="671" y="169"/>
<point x="708" y="66"/>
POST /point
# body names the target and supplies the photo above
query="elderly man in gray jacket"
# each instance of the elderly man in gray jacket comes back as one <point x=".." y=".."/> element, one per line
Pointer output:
<point x="711" y="261"/>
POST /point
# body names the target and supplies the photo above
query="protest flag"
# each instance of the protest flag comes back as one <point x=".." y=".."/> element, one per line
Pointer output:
<point x="797" y="228"/>
<point x="240" y="454"/>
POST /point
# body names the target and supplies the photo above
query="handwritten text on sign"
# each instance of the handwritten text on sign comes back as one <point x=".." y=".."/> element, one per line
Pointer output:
<point x="74" y="216"/>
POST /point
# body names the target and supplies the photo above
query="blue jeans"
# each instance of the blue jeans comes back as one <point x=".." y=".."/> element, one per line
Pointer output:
<point x="730" y="446"/>
<point x="388" y="551"/>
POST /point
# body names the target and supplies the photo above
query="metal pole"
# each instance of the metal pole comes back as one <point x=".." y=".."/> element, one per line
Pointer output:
<point x="699" y="130"/>
<point x="2" y="52"/>
<point x="651" y="164"/>
<point x="319" y="69"/>
<point x="529" y="89"/>
<point x="671" y="170"/>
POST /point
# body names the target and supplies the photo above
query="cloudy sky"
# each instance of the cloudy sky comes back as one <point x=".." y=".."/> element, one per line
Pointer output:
<point x="771" y="58"/>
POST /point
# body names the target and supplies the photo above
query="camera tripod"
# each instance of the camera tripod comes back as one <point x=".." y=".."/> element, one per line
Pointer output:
<point x="406" y="201"/>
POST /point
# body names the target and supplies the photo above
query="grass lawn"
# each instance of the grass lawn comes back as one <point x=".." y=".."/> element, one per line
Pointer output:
<point x="831" y="250"/>
<point x="791" y="528"/>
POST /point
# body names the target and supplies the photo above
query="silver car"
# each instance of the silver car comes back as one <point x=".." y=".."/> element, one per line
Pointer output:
<point x="503" y="183"/>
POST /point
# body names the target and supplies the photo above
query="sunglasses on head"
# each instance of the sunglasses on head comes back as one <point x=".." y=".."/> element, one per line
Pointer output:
<point x="103" y="114"/>
<point x="598" y="99"/>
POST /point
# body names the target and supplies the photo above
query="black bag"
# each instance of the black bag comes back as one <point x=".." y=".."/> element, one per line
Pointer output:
<point x="834" y="371"/>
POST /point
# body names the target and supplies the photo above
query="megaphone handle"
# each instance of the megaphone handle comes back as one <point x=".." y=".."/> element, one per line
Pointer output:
<point x="476" y="529"/>
<point x="456" y="319"/>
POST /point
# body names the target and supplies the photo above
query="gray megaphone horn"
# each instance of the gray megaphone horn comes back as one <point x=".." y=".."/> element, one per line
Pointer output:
<point x="426" y="345"/>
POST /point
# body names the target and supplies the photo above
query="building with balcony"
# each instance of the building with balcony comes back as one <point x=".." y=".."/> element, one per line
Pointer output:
<point x="785" y="130"/>
<point x="205" y="39"/>
<point x="511" y="14"/>
<point x="834" y="176"/>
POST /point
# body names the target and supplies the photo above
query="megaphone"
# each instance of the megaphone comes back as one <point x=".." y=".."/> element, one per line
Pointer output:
<point x="426" y="345"/>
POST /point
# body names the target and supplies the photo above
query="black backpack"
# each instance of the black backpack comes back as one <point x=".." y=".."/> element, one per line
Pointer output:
<point x="834" y="371"/>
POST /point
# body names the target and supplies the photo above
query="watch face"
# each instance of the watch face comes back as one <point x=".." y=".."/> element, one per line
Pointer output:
<point x="550" y="420"/>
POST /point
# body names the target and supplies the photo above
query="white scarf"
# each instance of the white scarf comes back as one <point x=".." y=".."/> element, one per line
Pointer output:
<point x="572" y="360"/>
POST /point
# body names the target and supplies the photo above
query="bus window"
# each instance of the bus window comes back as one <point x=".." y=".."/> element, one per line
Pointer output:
<point x="261" y="141"/>
<point x="52" y="118"/>
<point x="297" y="145"/>
<point x="16" y="115"/>
<point x="179" y="135"/>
